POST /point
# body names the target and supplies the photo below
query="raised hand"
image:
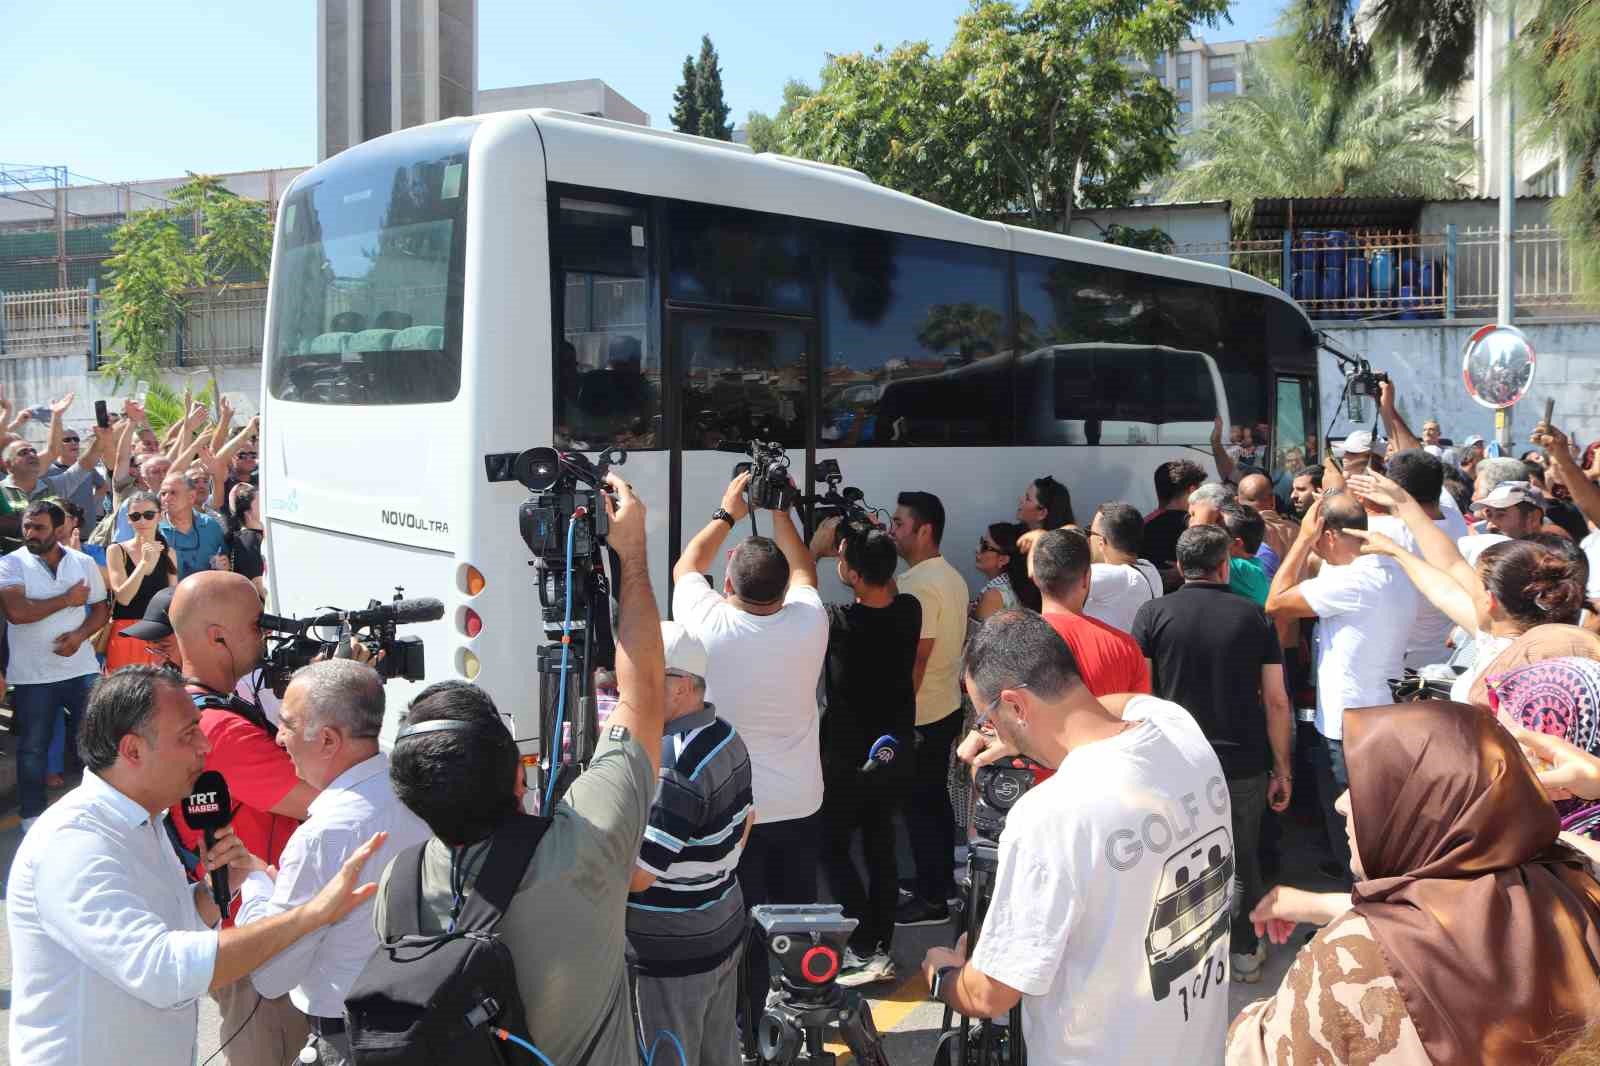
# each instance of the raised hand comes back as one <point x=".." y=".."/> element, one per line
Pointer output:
<point x="345" y="892"/>
<point x="1564" y="769"/>
<point x="1375" y="543"/>
<point x="61" y="405"/>
<point x="150" y="555"/>
<point x="735" y="500"/>
<point x="627" y="514"/>
<point x="1379" y="490"/>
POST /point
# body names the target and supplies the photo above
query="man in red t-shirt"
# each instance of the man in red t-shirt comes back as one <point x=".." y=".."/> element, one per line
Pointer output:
<point x="216" y="616"/>
<point x="1109" y="660"/>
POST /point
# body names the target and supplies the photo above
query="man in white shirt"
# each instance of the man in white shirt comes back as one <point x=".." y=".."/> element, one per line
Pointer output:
<point x="1110" y="914"/>
<point x="765" y="638"/>
<point x="1366" y="608"/>
<point x="941" y="591"/>
<point x="330" y="718"/>
<point x="1421" y="475"/>
<point x="1119" y="581"/>
<point x="54" y="599"/>
<point x="112" y="947"/>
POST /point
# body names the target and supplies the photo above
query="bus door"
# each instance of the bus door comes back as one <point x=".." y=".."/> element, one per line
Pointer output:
<point x="737" y="377"/>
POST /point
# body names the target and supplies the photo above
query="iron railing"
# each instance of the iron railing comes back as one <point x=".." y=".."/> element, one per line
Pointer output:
<point x="1383" y="275"/>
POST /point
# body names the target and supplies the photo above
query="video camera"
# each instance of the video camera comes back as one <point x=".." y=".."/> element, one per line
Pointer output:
<point x="564" y="524"/>
<point x="998" y="786"/>
<point x="770" y="488"/>
<point x="1359" y="377"/>
<point x="848" y="504"/>
<point x="295" y="642"/>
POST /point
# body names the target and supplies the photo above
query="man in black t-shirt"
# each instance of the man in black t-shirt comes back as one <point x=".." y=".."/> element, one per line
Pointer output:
<point x="1217" y="655"/>
<point x="1173" y="482"/>
<point x="872" y="653"/>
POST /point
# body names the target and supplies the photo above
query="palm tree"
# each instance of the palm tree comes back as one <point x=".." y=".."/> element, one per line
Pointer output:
<point x="1292" y="133"/>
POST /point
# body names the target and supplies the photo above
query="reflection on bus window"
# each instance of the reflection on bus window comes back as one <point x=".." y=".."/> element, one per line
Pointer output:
<point x="719" y="255"/>
<point x="742" y="382"/>
<point x="608" y="381"/>
<point x="903" y="310"/>
<point x="368" y="304"/>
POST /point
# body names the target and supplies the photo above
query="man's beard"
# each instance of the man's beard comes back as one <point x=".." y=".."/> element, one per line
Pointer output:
<point x="39" y="547"/>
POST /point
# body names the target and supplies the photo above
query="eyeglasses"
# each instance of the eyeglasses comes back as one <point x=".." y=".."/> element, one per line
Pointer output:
<point x="143" y="516"/>
<point x="69" y="440"/>
<point x="983" y="715"/>
<point x="247" y="455"/>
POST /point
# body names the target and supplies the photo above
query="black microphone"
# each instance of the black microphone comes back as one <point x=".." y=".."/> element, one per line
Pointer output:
<point x="400" y="612"/>
<point x="209" y="808"/>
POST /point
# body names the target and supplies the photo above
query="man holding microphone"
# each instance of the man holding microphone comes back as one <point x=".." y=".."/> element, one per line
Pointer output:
<point x="112" y="945"/>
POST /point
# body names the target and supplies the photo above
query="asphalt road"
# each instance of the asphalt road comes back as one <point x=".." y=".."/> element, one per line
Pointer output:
<point x="909" y="1022"/>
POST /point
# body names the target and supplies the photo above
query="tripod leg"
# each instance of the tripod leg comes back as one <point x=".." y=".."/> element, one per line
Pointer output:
<point x="860" y="1034"/>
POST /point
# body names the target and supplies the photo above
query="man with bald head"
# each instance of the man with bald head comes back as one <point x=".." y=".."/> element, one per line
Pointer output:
<point x="1256" y="491"/>
<point x="216" y="616"/>
<point x="1367" y="608"/>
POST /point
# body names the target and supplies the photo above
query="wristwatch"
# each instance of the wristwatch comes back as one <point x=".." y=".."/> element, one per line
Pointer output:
<point x="722" y="513"/>
<point x="941" y="977"/>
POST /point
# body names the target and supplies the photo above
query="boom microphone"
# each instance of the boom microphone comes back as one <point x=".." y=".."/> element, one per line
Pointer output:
<point x="209" y="808"/>
<point x="883" y="751"/>
<point x="400" y="612"/>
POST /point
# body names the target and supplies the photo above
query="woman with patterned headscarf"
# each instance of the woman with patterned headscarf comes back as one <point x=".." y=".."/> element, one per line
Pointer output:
<point x="1560" y="697"/>
<point x="1471" y="936"/>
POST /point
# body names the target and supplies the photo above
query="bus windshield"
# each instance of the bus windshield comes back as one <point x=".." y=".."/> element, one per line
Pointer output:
<point x="368" y="287"/>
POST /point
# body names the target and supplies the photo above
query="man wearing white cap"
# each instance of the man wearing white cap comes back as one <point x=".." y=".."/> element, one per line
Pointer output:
<point x="1472" y="452"/>
<point x="1356" y="453"/>
<point x="686" y="915"/>
<point x="1509" y="510"/>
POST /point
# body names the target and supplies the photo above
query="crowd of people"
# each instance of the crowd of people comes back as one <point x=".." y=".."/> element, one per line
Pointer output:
<point x="1401" y="638"/>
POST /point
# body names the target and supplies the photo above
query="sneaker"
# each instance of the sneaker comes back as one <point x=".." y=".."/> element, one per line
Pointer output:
<point x="920" y="912"/>
<point x="1247" y="968"/>
<point x="856" y="971"/>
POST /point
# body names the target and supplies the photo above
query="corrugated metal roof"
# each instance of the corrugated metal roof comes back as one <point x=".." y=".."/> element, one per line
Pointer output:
<point x="1270" y="217"/>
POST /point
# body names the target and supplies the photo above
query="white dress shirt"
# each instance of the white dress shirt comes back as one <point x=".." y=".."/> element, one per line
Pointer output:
<point x="318" y="970"/>
<point x="108" y="952"/>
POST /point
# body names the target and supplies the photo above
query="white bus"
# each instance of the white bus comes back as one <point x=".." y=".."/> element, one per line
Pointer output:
<point x="484" y="285"/>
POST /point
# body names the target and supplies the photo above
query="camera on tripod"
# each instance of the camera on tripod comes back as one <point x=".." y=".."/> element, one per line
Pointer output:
<point x="295" y="642"/>
<point x="998" y="786"/>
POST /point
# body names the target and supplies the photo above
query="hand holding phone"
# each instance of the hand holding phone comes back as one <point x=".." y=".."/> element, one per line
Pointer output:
<point x="102" y="417"/>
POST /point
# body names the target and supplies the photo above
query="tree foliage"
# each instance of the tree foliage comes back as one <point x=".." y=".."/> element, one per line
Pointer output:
<point x="1437" y="38"/>
<point x="1556" y="74"/>
<point x="765" y="133"/>
<point x="1294" y="134"/>
<point x="697" y="103"/>
<point x="157" y="266"/>
<point x="1031" y="111"/>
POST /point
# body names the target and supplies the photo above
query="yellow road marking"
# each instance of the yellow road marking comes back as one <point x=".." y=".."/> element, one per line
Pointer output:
<point x="10" y="822"/>
<point x="889" y="1011"/>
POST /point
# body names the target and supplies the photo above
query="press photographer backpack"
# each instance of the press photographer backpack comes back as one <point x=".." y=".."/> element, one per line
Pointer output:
<point x="424" y="999"/>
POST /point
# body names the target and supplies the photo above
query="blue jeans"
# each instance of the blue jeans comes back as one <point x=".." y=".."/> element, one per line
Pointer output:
<point x="37" y="708"/>
<point x="1327" y="759"/>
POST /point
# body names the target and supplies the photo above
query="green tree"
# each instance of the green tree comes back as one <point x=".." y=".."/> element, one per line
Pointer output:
<point x="1033" y="110"/>
<point x="711" y="108"/>
<point x="686" y="100"/>
<point x="765" y="133"/>
<point x="1292" y="133"/>
<point x="158" y="267"/>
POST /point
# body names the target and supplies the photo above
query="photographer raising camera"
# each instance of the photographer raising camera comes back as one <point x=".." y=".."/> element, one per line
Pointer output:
<point x="1109" y="919"/>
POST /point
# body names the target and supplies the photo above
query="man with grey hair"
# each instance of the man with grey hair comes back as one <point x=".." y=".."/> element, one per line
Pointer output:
<point x="196" y="538"/>
<point x="331" y="715"/>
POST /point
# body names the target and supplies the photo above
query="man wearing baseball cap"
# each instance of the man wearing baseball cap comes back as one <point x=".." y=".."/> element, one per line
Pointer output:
<point x="1513" y="509"/>
<point x="1356" y="453"/>
<point x="686" y="915"/>
<point x="155" y="629"/>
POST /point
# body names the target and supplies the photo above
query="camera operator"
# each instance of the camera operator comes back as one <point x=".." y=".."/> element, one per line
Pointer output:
<point x="111" y="946"/>
<point x="565" y="925"/>
<point x="1103" y="867"/>
<point x="872" y="654"/>
<point x="332" y="712"/>
<point x="765" y="638"/>
<point x="216" y="616"/>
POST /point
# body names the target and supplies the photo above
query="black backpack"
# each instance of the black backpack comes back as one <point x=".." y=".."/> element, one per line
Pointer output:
<point x="427" y="999"/>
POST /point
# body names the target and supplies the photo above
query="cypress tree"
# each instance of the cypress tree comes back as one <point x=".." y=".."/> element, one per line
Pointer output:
<point x="712" y="109"/>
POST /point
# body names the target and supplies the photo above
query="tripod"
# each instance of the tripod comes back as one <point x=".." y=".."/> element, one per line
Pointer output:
<point x="796" y="1023"/>
<point x="983" y="1041"/>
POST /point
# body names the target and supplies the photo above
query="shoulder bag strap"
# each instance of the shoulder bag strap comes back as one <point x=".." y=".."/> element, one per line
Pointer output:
<point x="509" y="855"/>
<point x="403" y="902"/>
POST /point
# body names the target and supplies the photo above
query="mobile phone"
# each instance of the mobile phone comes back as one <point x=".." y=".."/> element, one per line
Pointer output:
<point x="102" y="417"/>
<point x="141" y="392"/>
<point x="1549" y="408"/>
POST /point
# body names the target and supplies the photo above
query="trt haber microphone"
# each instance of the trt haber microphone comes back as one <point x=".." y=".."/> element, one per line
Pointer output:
<point x="208" y="808"/>
<point x="883" y="751"/>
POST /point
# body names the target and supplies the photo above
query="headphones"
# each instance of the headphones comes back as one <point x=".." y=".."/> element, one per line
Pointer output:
<point x="455" y="725"/>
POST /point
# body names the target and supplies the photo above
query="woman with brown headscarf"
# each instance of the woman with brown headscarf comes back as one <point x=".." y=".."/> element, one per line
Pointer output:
<point x="1473" y="936"/>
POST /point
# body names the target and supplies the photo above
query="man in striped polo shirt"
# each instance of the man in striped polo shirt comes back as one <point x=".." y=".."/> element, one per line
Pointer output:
<point x="686" y="916"/>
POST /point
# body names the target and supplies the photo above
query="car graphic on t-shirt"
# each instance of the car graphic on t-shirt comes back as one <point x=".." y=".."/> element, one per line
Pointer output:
<point x="1192" y="909"/>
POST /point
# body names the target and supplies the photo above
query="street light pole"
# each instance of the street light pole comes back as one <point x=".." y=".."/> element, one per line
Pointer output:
<point x="1508" y="200"/>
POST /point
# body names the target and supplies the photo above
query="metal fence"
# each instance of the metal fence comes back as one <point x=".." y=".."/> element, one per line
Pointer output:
<point x="1383" y="275"/>
<point x="219" y="328"/>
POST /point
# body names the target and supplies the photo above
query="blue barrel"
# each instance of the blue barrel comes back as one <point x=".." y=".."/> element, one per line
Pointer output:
<point x="1335" y="242"/>
<point x="1302" y="286"/>
<point x="1409" y="272"/>
<point x="1408" y="301"/>
<point x="1382" y="273"/>
<point x="1355" y="282"/>
<point x="1330" y="283"/>
<point x="1308" y="250"/>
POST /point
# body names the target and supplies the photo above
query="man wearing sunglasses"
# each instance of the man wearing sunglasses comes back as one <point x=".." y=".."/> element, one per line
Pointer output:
<point x="28" y="482"/>
<point x="92" y="488"/>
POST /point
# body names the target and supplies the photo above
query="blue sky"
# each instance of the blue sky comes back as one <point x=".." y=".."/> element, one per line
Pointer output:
<point x="119" y="91"/>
